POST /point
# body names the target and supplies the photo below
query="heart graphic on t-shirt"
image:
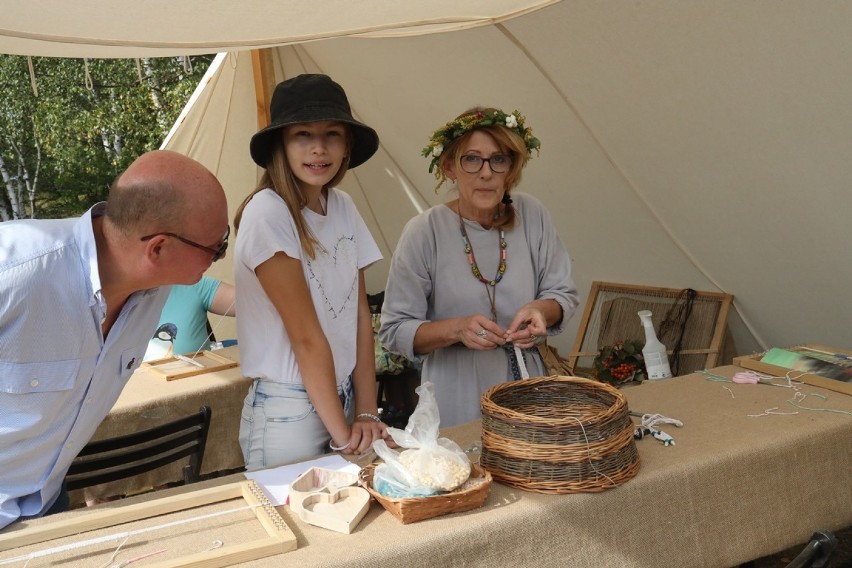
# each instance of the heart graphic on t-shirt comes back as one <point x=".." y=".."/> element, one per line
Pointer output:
<point x="329" y="270"/>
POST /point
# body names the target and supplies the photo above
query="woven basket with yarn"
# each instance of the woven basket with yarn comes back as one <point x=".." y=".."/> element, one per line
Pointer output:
<point x="558" y="435"/>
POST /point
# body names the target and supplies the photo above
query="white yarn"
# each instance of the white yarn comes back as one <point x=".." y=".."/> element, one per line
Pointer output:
<point x="589" y="451"/>
<point x="651" y="420"/>
<point x="519" y="355"/>
<point x="648" y="426"/>
<point x="210" y="335"/>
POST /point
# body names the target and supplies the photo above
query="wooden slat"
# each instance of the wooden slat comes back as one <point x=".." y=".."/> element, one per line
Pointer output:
<point x="261" y="63"/>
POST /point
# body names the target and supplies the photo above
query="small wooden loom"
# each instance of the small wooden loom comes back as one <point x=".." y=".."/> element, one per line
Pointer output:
<point x="280" y="538"/>
<point x="174" y="368"/>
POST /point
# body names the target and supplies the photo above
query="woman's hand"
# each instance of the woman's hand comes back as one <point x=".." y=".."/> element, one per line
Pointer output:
<point x="479" y="332"/>
<point x="528" y="325"/>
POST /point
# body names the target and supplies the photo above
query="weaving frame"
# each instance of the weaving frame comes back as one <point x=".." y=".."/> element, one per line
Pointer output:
<point x="586" y="346"/>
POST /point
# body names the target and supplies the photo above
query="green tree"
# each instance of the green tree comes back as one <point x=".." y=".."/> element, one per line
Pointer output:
<point x="60" y="149"/>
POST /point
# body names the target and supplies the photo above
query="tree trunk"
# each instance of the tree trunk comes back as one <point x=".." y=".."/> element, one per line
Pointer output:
<point x="7" y="212"/>
<point x="154" y="89"/>
<point x="24" y="181"/>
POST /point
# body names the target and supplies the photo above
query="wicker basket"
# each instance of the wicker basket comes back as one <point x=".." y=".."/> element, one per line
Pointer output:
<point x="470" y="495"/>
<point x="558" y="435"/>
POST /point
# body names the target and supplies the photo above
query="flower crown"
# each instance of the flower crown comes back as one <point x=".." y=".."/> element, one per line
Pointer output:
<point x="479" y="119"/>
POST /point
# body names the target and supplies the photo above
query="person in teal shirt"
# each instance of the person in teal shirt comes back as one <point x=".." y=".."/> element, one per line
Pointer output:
<point x="186" y="309"/>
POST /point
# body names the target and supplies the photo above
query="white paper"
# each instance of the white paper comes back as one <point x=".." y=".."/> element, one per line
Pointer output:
<point x="276" y="481"/>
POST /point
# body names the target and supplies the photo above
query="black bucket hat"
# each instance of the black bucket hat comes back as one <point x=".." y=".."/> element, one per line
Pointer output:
<point x="312" y="98"/>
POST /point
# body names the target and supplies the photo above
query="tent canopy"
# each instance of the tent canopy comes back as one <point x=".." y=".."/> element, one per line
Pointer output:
<point x="158" y="28"/>
<point x="702" y="145"/>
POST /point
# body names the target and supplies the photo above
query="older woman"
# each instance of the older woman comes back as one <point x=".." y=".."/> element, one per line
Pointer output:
<point x="476" y="282"/>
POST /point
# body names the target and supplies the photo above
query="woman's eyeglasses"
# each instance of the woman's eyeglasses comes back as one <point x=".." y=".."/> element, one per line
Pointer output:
<point x="217" y="252"/>
<point x="499" y="163"/>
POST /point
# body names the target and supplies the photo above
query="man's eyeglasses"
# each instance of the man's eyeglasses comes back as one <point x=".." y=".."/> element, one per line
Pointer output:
<point x="499" y="163"/>
<point x="217" y="252"/>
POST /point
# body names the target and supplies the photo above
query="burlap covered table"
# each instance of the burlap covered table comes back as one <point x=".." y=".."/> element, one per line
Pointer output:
<point x="733" y="488"/>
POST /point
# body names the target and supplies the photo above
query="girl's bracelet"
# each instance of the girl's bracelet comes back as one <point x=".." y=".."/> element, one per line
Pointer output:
<point x="369" y="415"/>
<point x="335" y="448"/>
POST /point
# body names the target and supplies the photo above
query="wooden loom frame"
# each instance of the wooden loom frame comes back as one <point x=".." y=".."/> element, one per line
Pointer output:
<point x="712" y="350"/>
<point x="280" y="538"/>
<point x="188" y="370"/>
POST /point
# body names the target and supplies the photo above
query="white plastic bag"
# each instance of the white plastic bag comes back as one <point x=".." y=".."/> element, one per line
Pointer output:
<point x="425" y="464"/>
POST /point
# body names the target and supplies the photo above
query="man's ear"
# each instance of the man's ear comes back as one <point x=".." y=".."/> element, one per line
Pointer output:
<point x="155" y="246"/>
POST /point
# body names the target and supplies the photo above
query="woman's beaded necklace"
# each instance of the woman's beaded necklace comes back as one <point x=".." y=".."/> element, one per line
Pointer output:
<point x="490" y="285"/>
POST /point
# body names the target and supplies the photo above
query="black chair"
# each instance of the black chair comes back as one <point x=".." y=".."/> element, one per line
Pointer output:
<point x="817" y="552"/>
<point x="125" y="456"/>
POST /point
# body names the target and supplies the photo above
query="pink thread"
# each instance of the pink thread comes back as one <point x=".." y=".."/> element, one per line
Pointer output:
<point x="745" y="378"/>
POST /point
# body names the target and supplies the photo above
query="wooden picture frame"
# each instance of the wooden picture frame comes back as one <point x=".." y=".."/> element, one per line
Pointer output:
<point x="280" y="538"/>
<point x="176" y="368"/>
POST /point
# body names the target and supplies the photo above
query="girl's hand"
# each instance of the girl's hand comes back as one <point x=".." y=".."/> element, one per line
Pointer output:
<point x="365" y="430"/>
<point x="342" y="447"/>
<point x="479" y="332"/>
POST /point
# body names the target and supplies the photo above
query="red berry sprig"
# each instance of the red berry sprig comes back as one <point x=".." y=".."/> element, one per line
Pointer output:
<point x="623" y="371"/>
<point x="620" y="362"/>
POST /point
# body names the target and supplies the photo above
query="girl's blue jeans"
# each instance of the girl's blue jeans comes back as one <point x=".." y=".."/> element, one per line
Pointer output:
<point x="280" y="425"/>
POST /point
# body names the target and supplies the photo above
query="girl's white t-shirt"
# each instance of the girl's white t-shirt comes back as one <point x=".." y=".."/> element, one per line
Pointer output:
<point x="332" y="277"/>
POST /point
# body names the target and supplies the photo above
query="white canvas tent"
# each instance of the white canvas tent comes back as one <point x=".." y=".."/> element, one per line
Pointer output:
<point x="685" y="144"/>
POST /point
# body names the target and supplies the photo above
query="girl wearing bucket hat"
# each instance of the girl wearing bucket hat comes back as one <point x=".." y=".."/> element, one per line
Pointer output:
<point x="304" y="327"/>
<point x="476" y="282"/>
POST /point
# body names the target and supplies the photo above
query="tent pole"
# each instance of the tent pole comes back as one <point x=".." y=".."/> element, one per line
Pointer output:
<point x="261" y="63"/>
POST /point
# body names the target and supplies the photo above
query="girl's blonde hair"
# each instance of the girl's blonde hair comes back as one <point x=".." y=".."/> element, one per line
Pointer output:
<point x="278" y="176"/>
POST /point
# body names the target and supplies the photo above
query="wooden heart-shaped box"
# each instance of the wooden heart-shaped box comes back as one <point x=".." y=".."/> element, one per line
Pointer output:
<point x="339" y="510"/>
<point x="318" y="480"/>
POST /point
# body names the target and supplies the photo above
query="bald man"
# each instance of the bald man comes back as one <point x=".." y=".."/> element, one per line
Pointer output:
<point x="79" y="300"/>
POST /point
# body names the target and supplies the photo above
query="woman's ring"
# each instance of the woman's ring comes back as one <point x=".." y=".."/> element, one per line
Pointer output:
<point x="481" y="333"/>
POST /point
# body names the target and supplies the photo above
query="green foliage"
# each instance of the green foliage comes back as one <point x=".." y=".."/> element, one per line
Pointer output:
<point x="61" y="150"/>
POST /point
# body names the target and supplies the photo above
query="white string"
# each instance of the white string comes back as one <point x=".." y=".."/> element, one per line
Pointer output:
<point x="589" y="451"/>
<point x="651" y="420"/>
<point x="124" y="535"/>
<point x="522" y="365"/>
<point x="772" y="412"/>
<point x="114" y="554"/>
<point x="799" y="397"/>
<point x="648" y="426"/>
<point x="216" y="544"/>
<point x="186" y="359"/>
<point x="790" y="382"/>
<point x="213" y="330"/>
<point x="124" y="563"/>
